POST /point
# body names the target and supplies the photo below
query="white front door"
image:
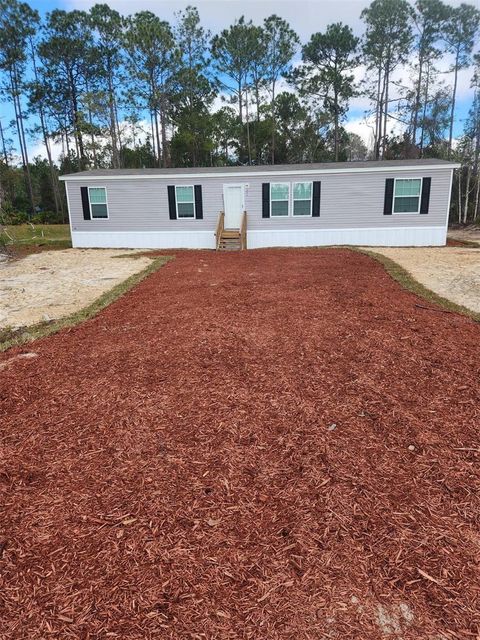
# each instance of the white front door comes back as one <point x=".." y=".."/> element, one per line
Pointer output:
<point x="234" y="203"/>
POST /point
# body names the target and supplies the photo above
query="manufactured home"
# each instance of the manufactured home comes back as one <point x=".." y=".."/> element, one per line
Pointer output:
<point x="389" y="203"/>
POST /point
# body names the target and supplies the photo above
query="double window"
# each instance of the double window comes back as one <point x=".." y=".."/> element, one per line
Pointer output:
<point x="406" y="195"/>
<point x="185" y="199"/>
<point x="284" y="200"/>
<point x="97" y="197"/>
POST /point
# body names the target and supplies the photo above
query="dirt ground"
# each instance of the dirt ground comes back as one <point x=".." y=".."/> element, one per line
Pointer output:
<point x="452" y="272"/>
<point x="54" y="284"/>
<point x="470" y="233"/>
<point x="261" y="445"/>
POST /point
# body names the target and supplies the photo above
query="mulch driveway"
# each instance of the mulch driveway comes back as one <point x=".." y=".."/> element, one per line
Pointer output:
<point x="272" y="444"/>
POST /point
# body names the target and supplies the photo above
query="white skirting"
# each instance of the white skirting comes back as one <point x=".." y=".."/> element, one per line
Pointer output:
<point x="257" y="238"/>
<point x="144" y="239"/>
<point x="374" y="237"/>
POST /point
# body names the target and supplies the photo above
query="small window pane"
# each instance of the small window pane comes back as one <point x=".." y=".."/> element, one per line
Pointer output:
<point x="97" y="195"/>
<point x="185" y="210"/>
<point x="302" y="190"/>
<point x="406" y="205"/>
<point x="280" y="208"/>
<point x="184" y="194"/>
<point x="302" y="207"/>
<point x="279" y="191"/>
<point x="99" y="210"/>
<point x="407" y="187"/>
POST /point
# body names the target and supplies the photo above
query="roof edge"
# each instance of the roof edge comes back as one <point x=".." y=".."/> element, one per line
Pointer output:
<point x="82" y="176"/>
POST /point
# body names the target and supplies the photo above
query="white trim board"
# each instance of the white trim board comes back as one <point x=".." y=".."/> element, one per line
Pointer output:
<point x="144" y="239"/>
<point x="376" y="236"/>
<point x="373" y="236"/>
<point x="251" y="174"/>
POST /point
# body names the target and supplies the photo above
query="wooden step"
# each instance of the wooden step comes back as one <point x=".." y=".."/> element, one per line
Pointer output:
<point x="229" y="244"/>
<point x="230" y="240"/>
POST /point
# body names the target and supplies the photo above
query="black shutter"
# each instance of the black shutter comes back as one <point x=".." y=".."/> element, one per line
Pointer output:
<point x="388" y="203"/>
<point x="266" y="200"/>
<point x="317" y="186"/>
<point x="425" y="199"/>
<point x="85" y="203"/>
<point x="172" y="205"/>
<point x="198" y="202"/>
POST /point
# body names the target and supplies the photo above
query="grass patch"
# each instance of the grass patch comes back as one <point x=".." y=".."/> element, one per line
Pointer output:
<point x="408" y="282"/>
<point x="26" y="237"/>
<point x="10" y="337"/>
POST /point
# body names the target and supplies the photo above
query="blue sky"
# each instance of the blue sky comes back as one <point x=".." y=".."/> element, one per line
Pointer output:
<point x="305" y="16"/>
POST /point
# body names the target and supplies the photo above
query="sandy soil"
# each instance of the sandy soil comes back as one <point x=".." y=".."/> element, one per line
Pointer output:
<point x="54" y="284"/>
<point x="452" y="272"/>
<point x="471" y="233"/>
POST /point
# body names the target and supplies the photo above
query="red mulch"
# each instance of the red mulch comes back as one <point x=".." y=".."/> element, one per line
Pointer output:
<point x="269" y="444"/>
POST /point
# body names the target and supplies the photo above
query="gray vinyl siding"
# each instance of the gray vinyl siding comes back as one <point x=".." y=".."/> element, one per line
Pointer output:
<point x="348" y="200"/>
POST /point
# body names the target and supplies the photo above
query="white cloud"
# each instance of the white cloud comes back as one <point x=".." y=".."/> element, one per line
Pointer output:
<point x="305" y="16"/>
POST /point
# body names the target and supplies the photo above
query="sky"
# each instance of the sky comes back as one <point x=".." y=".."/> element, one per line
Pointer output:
<point x="305" y="17"/>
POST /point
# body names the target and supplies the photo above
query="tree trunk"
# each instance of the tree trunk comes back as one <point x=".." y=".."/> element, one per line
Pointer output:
<point x="377" y="116"/>
<point x="274" y="123"/>
<point x="336" y="124"/>
<point x="76" y="120"/>
<point x="467" y="194"/>
<point x="385" y="116"/>
<point x="157" y="136"/>
<point x="417" y="101"/>
<point x="113" y="119"/>
<point x="163" y="127"/>
<point x="452" y="112"/>
<point x="4" y="148"/>
<point x="240" y="101"/>
<point x="459" y="205"/>
<point x="248" y="130"/>
<point x="476" y="210"/>
<point x="424" y="113"/>
<point x="152" y="128"/>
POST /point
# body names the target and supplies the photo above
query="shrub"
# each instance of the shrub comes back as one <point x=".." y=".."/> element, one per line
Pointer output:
<point x="47" y="217"/>
<point x="9" y="216"/>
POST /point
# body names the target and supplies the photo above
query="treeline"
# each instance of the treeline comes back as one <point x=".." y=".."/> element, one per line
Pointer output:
<point x="136" y="91"/>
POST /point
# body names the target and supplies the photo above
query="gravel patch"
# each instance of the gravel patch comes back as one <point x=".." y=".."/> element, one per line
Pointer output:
<point x="54" y="284"/>
<point x="451" y="272"/>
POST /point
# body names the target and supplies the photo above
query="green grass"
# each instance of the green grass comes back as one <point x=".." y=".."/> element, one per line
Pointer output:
<point x="408" y="282"/>
<point x="14" y="337"/>
<point x="38" y="236"/>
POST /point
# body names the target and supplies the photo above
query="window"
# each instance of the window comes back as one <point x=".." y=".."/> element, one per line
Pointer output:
<point x="302" y="198"/>
<point x="98" y="202"/>
<point x="279" y="197"/>
<point x="407" y="195"/>
<point x="185" y="202"/>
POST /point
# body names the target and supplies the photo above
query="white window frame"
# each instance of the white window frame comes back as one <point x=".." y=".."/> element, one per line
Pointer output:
<point x="298" y="215"/>
<point x="272" y="215"/>
<point x="407" y="213"/>
<point x="192" y="187"/>
<point x="92" y="217"/>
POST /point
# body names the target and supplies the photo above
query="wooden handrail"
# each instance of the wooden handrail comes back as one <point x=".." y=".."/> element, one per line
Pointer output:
<point x="243" y="231"/>
<point x="220" y="227"/>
